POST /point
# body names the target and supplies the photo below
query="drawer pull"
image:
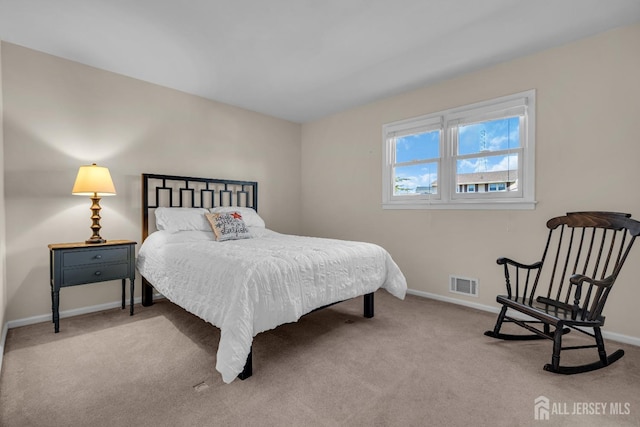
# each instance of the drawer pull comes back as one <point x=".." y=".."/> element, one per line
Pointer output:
<point x="98" y="256"/>
<point x="97" y="273"/>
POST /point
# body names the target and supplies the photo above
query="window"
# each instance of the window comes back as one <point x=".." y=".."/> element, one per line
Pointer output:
<point x="500" y="186"/>
<point x="479" y="156"/>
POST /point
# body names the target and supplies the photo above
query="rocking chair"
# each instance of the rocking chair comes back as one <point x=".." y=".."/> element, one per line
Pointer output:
<point x="568" y="288"/>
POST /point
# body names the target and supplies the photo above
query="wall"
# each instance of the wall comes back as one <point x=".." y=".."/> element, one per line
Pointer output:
<point x="588" y="97"/>
<point x="3" y="281"/>
<point x="59" y="115"/>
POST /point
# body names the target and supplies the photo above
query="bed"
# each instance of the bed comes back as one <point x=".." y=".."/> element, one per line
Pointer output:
<point x="206" y="249"/>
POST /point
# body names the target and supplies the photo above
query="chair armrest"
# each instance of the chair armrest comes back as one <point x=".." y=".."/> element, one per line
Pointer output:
<point x="579" y="279"/>
<point x="504" y="260"/>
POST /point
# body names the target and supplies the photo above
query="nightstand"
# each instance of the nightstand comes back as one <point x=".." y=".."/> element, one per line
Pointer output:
<point x="72" y="264"/>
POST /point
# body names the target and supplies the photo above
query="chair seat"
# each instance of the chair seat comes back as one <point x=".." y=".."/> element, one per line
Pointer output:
<point x="545" y="312"/>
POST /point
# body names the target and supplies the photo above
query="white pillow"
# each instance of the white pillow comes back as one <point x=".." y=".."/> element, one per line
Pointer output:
<point x="182" y="219"/>
<point x="249" y="215"/>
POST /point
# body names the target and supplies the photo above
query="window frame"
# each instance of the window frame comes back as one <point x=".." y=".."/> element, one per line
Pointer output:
<point x="519" y="104"/>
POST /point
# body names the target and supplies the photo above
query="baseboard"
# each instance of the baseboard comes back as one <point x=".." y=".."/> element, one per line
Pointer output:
<point x="5" y="329"/>
<point x="452" y="300"/>
<point x="626" y="339"/>
<point x="70" y="313"/>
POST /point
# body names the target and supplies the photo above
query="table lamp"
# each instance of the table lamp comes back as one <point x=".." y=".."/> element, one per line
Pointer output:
<point x="94" y="181"/>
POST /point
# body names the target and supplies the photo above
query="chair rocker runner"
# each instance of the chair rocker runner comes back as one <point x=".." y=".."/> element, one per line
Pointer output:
<point x="568" y="288"/>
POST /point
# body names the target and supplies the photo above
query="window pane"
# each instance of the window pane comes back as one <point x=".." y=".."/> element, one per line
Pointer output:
<point x="488" y="173"/>
<point x="506" y="162"/>
<point x="416" y="179"/>
<point x="493" y="135"/>
<point x="419" y="146"/>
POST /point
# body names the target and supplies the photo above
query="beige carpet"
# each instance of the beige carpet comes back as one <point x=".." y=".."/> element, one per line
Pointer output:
<point x="419" y="362"/>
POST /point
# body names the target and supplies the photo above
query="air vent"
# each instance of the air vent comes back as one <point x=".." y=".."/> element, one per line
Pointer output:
<point x="463" y="285"/>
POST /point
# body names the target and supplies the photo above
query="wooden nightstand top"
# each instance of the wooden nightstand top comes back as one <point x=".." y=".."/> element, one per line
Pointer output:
<point x="90" y="245"/>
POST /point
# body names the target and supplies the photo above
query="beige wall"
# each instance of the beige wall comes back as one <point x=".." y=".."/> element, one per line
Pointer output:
<point x="3" y="281"/>
<point x="588" y="146"/>
<point x="59" y="115"/>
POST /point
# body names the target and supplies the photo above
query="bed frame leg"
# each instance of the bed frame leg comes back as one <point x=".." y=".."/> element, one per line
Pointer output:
<point x="368" y="305"/>
<point x="248" y="367"/>
<point x="147" y="293"/>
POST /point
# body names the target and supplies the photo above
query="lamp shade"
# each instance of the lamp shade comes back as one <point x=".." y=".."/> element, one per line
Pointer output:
<point x="93" y="180"/>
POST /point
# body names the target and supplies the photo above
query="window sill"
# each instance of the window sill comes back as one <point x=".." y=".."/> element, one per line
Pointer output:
<point x="463" y="205"/>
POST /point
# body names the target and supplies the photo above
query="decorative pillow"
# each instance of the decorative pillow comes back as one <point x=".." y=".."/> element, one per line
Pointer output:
<point x="181" y="219"/>
<point x="249" y="215"/>
<point x="228" y="226"/>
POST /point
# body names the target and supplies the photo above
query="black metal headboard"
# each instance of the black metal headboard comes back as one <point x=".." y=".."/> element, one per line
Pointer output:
<point x="189" y="192"/>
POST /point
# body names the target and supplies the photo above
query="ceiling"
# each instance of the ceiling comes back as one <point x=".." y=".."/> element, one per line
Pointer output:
<point x="301" y="60"/>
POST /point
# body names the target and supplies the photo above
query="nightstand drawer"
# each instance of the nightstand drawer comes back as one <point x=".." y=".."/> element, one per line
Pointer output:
<point x="96" y="256"/>
<point x="98" y="273"/>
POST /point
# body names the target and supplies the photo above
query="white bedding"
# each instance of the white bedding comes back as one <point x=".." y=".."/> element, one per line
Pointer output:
<point x="248" y="286"/>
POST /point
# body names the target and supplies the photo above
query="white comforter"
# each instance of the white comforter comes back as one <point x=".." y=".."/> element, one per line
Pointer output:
<point x="248" y="286"/>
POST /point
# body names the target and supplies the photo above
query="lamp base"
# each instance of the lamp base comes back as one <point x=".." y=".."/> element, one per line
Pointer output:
<point x="95" y="218"/>
<point x="96" y="241"/>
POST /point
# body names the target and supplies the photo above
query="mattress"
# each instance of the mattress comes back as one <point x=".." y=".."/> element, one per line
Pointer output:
<point x="248" y="286"/>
